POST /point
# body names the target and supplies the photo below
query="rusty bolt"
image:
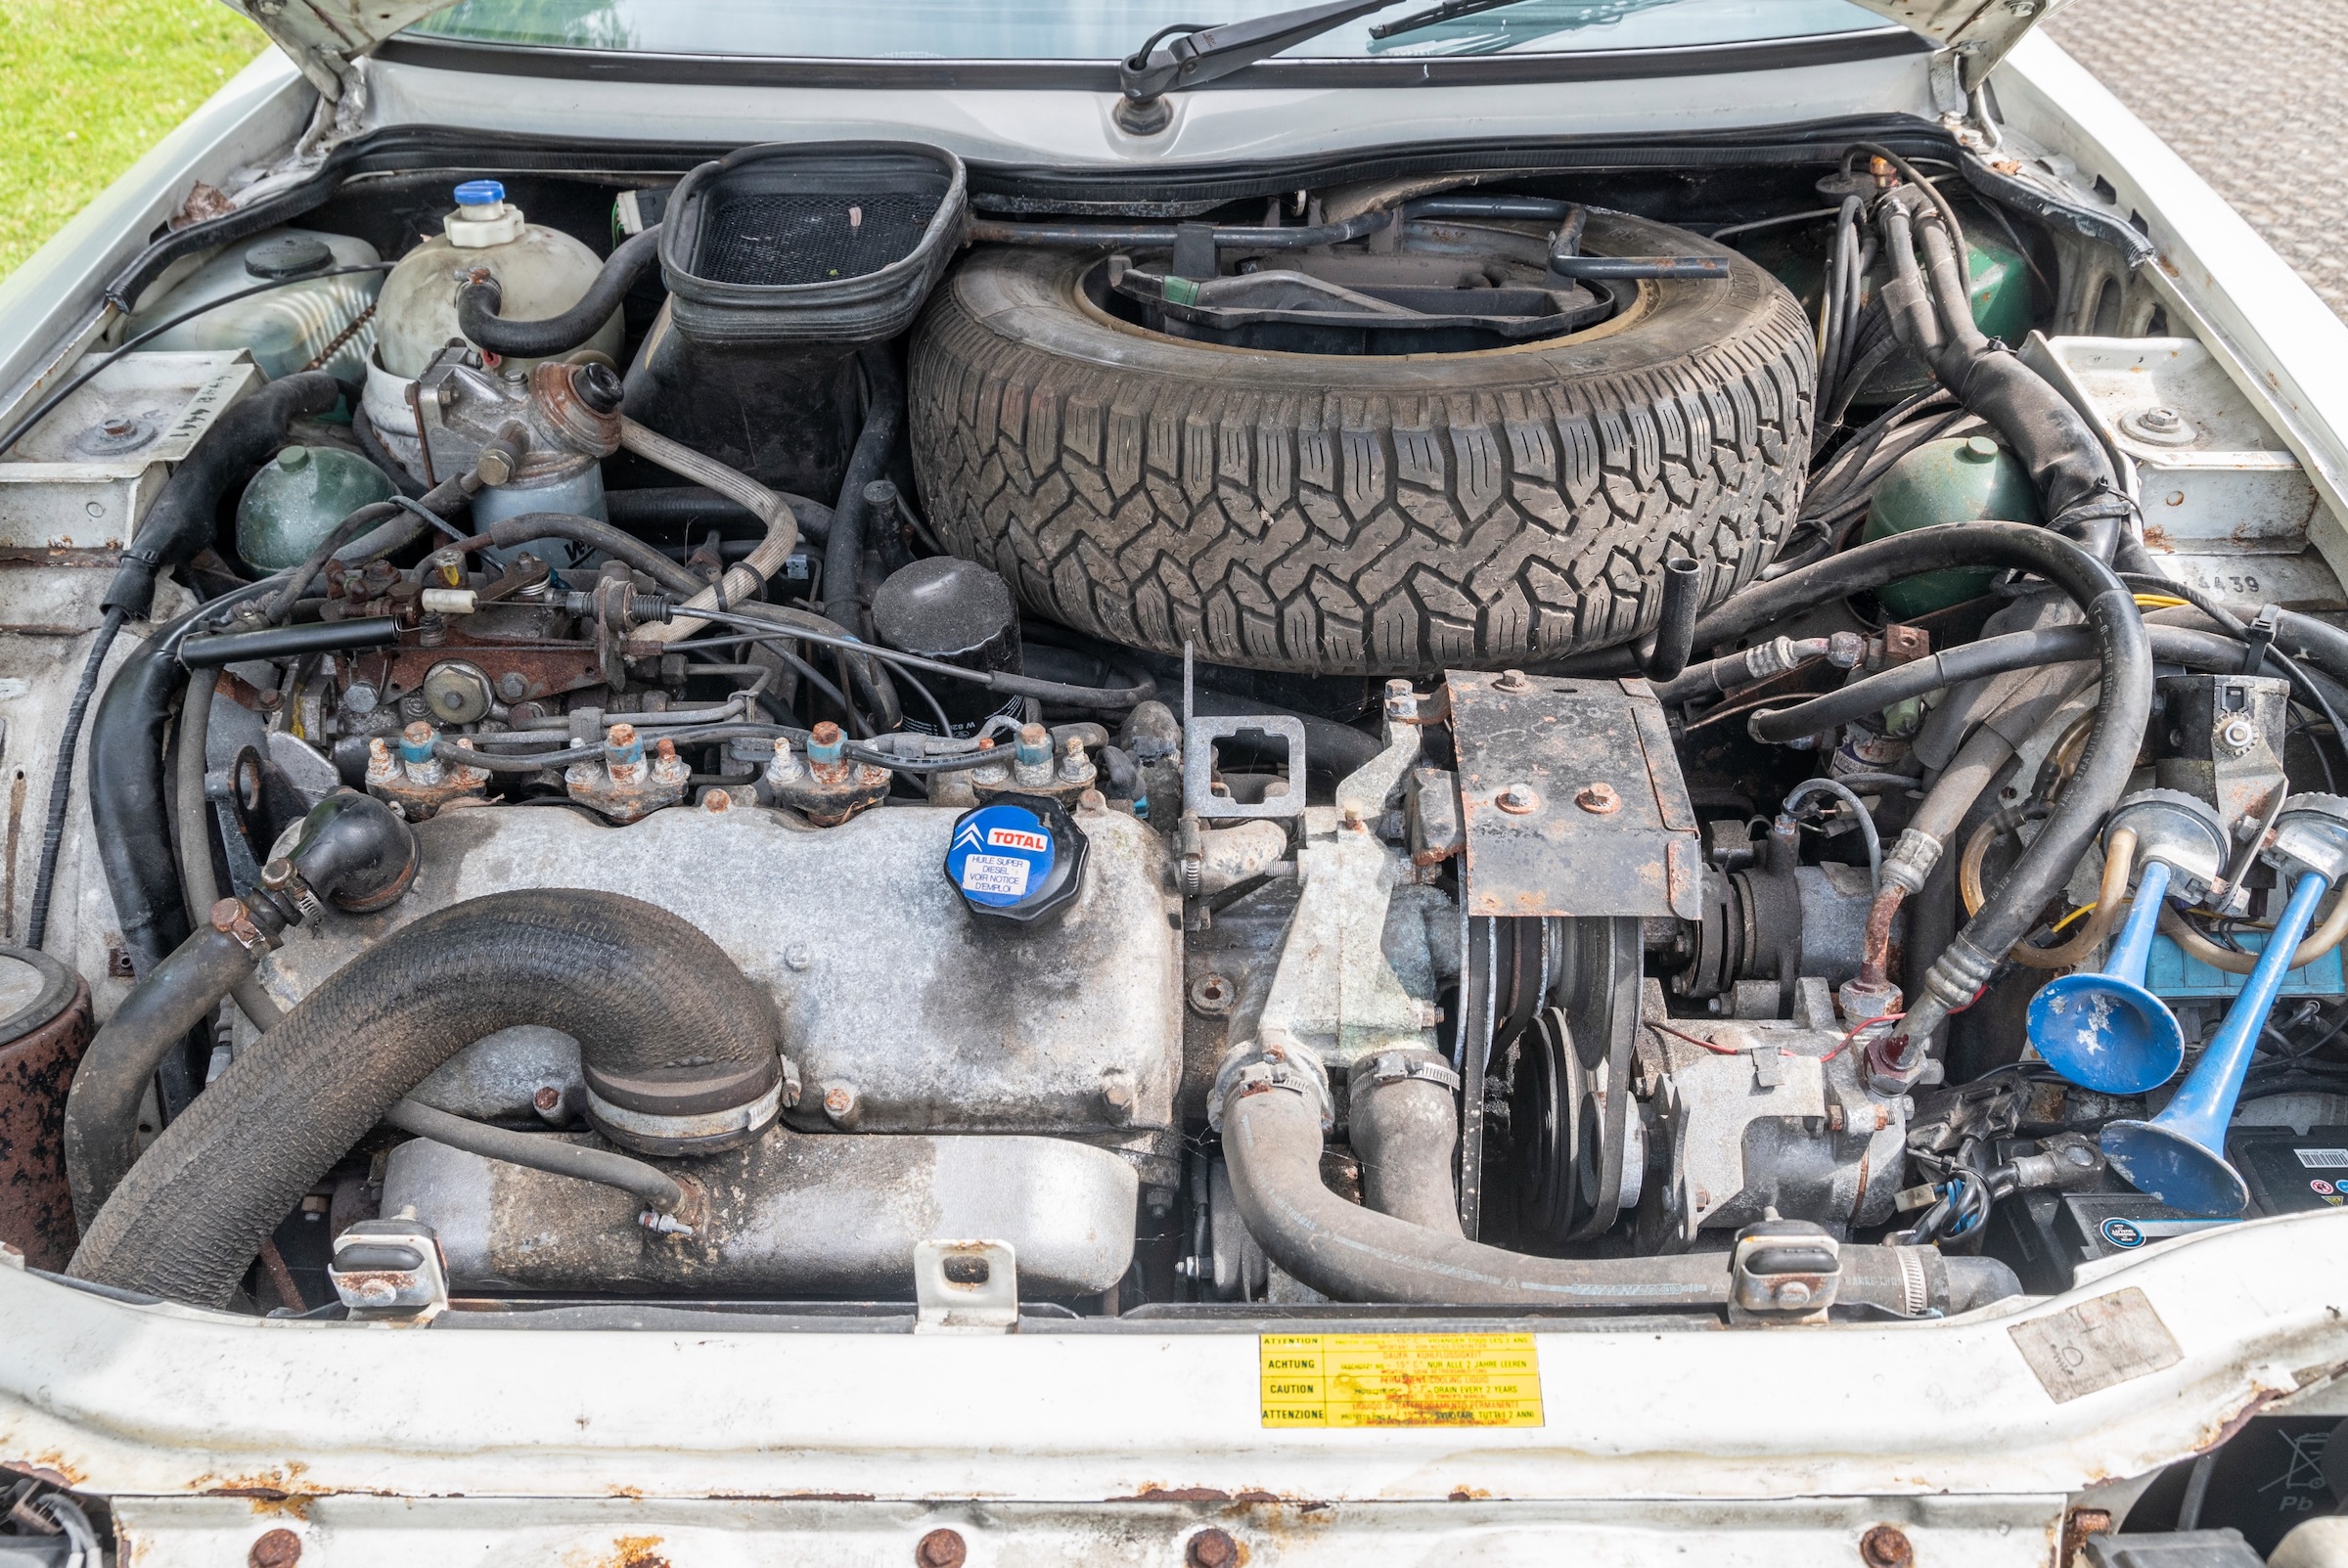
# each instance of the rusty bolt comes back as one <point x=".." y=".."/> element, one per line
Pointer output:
<point x="546" y="1100"/>
<point x="839" y="1104"/>
<point x="277" y="1548"/>
<point x="1885" y="1546"/>
<point x="1512" y="681"/>
<point x="620" y="734"/>
<point x="1518" y="799"/>
<point x="941" y="1548"/>
<point x="1211" y="1548"/>
<point x="665" y="750"/>
<point x="1211" y="993"/>
<point x="1599" y="799"/>
<point x="118" y="427"/>
<point x="716" y="801"/>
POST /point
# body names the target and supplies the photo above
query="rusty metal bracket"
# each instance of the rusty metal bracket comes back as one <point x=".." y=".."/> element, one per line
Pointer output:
<point x="1570" y="799"/>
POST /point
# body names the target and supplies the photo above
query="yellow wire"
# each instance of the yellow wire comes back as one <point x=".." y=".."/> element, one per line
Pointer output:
<point x="2084" y="909"/>
<point x="2158" y="601"/>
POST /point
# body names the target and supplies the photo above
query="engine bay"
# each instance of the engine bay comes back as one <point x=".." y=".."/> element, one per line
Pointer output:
<point x="800" y="736"/>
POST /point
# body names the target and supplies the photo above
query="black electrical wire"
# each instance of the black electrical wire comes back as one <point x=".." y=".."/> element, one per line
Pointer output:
<point x="945" y="726"/>
<point x="992" y="680"/>
<point x="61" y="778"/>
<point x="47" y="404"/>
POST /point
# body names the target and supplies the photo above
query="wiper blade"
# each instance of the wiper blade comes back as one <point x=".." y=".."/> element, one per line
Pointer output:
<point x="1448" y="11"/>
<point x="1186" y="56"/>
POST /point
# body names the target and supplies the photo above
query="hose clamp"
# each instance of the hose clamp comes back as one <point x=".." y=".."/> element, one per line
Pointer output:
<point x="702" y="1133"/>
<point x="1394" y="1067"/>
<point x="1916" y="1288"/>
<point x="1285" y="1064"/>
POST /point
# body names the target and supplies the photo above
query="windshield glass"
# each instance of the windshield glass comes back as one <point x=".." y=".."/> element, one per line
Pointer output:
<point x="1107" y="29"/>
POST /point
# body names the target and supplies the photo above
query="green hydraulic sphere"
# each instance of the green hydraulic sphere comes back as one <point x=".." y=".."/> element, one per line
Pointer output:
<point x="1968" y="478"/>
<point x="297" y="501"/>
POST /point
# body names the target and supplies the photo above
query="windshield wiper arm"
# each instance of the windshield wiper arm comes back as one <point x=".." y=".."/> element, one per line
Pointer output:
<point x="1182" y="57"/>
<point x="1448" y="11"/>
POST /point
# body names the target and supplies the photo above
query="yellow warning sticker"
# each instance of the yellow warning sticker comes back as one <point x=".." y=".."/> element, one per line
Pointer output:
<point x="1400" y="1381"/>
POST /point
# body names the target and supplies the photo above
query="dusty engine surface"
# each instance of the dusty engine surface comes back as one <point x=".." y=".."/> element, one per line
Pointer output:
<point x="1477" y="746"/>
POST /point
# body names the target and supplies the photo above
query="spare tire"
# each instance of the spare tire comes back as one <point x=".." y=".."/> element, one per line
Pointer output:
<point x="1378" y="515"/>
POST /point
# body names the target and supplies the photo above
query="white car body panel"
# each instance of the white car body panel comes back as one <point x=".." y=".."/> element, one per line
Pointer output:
<point x="379" y="1444"/>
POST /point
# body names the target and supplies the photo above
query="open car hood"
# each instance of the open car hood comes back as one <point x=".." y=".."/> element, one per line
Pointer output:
<point x="323" y="36"/>
<point x="1983" y="33"/>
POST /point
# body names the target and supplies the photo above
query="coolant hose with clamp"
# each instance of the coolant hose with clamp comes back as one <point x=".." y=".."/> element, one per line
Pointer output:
<point x="1272" y="1124"/>
<point x="681" y="1053"/>
<point x="353" y="850"/>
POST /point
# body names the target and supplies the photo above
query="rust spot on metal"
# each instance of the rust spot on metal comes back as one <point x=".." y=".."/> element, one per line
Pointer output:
<point x="633" y="1552"/>
<point x="276" y="1548"/>
<point x="940" y="1548"/>
<point x="36" y="1207"/>
<point x="1211" y="1548"/>
<point x="1886" y="1546"/>
<point x="51" y="1467"/>
<point x="1467" y="1495"/>
<point x="2077" y="1526"/>
<point x="1158" y="1494"/>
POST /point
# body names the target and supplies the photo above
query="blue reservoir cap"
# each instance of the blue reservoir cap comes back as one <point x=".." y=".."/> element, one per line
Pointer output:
<point x="1020" y="858"/>
<point x="480" y="193"/>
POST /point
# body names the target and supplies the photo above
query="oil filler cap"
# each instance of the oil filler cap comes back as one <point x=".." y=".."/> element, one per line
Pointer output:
<point x="1019" y="858"/>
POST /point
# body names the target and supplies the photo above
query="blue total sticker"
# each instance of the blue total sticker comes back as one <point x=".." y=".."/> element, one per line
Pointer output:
<point x="1001" y="855"/>
<point x="2122" y="1233"/>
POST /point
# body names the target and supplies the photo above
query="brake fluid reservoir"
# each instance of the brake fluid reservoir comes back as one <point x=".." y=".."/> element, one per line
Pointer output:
<point x="286" y="327"/>
<point x="543" y="272"/>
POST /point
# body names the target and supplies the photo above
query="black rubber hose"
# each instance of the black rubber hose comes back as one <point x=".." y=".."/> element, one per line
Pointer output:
<point x="651" y="1001"/>
<point x="2319" y="642"/>
<point x="126" y="797"/>
<point x="1993" y="655"/>
<point x="540" y="1152"/>
<point x="684" y="505"/>
<point x="2068" y="462"/>
<point x="102" y="1108"/>
<point x="1675" y="633"/>
<point x="883" y="418"/>
<point x="478" y="301"/>
<point x="507" y="533"/>
<point x="2123" y="650"/>
<point x="1272" y="1140"/>
<point x="186" y="514"/>
<point x="289" y="642"/>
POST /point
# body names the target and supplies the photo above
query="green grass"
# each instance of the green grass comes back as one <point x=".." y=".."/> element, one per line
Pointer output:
<point x="86" y="86"/>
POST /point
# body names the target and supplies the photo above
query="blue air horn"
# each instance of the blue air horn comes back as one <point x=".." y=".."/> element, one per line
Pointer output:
<point x="2104" y="1030"/>
<point x="2178" y="1157"/>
